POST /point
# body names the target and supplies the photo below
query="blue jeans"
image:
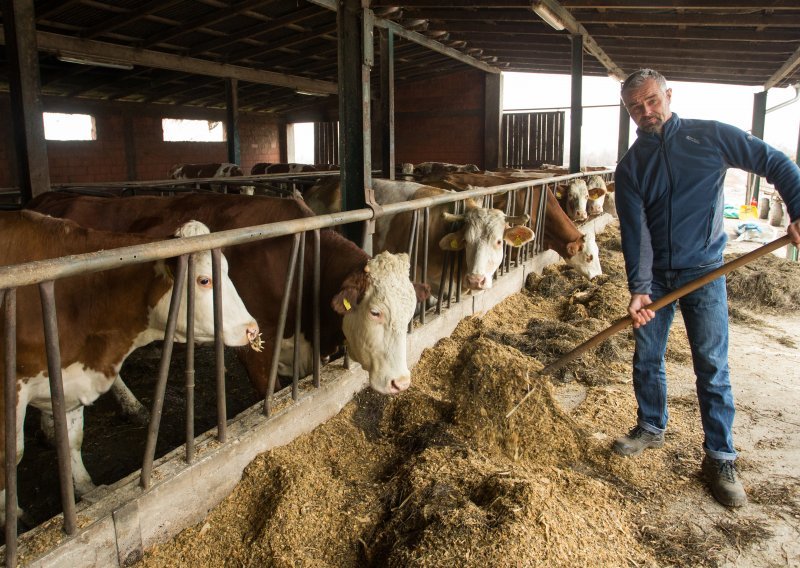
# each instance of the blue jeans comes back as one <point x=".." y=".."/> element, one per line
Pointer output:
<point x="705" y="314"/>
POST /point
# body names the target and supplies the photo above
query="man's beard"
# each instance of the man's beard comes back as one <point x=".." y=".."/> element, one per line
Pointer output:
<point x="653" y="126"/>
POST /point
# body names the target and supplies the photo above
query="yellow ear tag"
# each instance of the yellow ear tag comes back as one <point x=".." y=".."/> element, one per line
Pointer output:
<point x="346" y="304"/>
<point x="454" y="244"/>
<point x="518" y="241"/>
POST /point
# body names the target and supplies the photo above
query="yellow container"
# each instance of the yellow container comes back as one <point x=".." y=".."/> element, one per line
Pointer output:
<point x="748" y="212"/>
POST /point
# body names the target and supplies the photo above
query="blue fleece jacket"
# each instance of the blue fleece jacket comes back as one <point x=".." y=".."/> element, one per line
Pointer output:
<point x="670" y="199"/>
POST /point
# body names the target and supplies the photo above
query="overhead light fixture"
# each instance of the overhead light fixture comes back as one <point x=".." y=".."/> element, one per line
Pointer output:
<point x="547" y="15"/>
<point x="311" y="93"/>
<point x="92" y="60"/>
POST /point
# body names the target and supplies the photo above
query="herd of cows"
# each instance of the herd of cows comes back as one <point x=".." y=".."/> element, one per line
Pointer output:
<point x="366" y="302"/>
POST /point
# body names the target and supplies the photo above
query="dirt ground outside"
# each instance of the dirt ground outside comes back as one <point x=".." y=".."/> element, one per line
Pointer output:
<point x="442" y="476"/>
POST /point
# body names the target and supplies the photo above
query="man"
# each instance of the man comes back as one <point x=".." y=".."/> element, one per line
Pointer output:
<point x="669" y="191"/>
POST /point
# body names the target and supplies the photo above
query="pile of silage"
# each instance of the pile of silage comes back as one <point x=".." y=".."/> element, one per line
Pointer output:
<point x="440" y="477"/>
<point x="767" y="282"/>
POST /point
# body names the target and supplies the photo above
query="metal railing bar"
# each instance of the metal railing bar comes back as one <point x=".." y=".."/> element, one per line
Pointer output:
<point x="276" y="352"/>
<point x="9" y="300"/>
<point x="52" y="269"/>
<point x="163" y="372"/>
<point x="426" y="225"/>
<point x="50" y="321"/>
<point x="298" y="317"/>
<point x="317" y="286"/>
<point x="219" y="345"/>
<point x="189" y="371"/>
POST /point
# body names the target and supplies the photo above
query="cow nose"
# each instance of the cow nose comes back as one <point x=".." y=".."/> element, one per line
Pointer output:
<point x="476" y="281"/>
<point x="400" y="384"/>
<point x="252" y="331"/>
<point x="581" y="216"/>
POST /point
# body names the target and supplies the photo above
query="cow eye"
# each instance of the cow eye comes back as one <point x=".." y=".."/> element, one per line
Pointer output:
<point x="499" y="242"/>
<point x="204" y="281"/>
<point x="375" y="313"/>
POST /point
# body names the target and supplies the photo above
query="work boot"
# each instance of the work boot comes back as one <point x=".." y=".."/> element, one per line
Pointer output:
<point x="725" y="483"/>
<point x="637" y="441"/>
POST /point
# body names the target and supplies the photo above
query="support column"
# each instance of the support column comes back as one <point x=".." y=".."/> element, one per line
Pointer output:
<point x="387" y="103"/>
<point x="232" y="120"/>
<point x="759" y="118"/>
<point x="493" y="109"/>
<point x="351" y="120"/>
<point x="624" y="130"/>
<point x="30" y="147"/>
<point x="576" y="111"/>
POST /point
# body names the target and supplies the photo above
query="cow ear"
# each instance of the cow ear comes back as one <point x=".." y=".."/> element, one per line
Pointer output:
<point x="560" y="191"/>
<point x="610" y="187"/>
<point x="452" y="241"/>
<point x="574" y="247"/>
<point x="423" y="291"/>
<point x="597" y="192"/>
<point x="351" y="293"/>
<point x="518" y="236"/>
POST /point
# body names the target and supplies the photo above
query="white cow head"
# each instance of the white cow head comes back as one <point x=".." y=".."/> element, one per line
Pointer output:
<point x="483" y="235"/>
<point x="597" y="194"/>
<point x="377" y="305"/>
<point x="584" y="256"/>
<point x="576" y="196"/>
<point x="239" y="327"/>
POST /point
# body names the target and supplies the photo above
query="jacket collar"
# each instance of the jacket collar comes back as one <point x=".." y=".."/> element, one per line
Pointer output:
<point x="668" y="131"/>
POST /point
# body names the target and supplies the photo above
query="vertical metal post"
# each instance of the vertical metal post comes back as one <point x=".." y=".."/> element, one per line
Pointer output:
<point x="426" y="226"/>
<point x="298" y="313"/>
<point x="9" y="300"/>
<point x="219" y="345"/>
<point x="316" y="292"/>
<point x="576" y="106"/>
<point x="189" y="372"/>
<point x="276" y="352"/>
<point x="163" y="373"/>
<point x="47" y="294"/>
<point x="493" y="119"/>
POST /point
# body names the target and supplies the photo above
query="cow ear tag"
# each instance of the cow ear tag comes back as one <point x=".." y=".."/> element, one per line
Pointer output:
<point x="518" y="241"/>
<point x="454" y="244"/>
<point x="346" y="303"/>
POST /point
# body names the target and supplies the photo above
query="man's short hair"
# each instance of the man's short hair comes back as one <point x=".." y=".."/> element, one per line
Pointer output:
<point x="638" y="78"/>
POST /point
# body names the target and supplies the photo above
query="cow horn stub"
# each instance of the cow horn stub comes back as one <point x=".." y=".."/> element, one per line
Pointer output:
<point x="452" y="217"/>
<point x="518" y="219"/>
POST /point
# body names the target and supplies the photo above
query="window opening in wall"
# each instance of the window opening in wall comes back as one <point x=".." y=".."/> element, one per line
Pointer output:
<point x="185" y="130"/>
<point x="61" y="126"/>
<point x="300" y="142"/>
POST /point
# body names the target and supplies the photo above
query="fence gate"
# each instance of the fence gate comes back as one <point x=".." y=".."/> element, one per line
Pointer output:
<point x="531" y="139"/>
<point x="326" y="142"/>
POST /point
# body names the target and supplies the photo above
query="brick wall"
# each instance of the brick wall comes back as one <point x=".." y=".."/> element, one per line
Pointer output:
<point x="441" y="119"/>
<point x="107" y="157"/>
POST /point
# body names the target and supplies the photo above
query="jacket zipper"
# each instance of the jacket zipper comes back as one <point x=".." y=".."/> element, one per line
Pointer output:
<point x="669" y="198"/>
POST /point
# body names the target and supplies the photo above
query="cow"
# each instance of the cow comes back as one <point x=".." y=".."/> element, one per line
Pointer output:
<point x="102" y="317"/>
<point x="579" y="250"/>
<point x="596" y="186"/>
<point x="574" y="196"/>
<point x="428" y="168"/>
<point x="610" y="204"/>
<point x="212" y="170"/>
<point x="361" y="304"/>
<point x="262" y="168"/>
<point x="482" y="236"/>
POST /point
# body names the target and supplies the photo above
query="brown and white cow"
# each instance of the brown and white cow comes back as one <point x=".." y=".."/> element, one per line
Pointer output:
<point x="596" y="186"/>
<point x="102" y="318"/>
<point x="482" y="235"/>
<point x="579" y="250"/>
<point x="212" y="170"/>
<point x="428" y="168"/>
<point x="574" y="197"/>
<point x="259" y="271"/>
<point x="262" y="168"/>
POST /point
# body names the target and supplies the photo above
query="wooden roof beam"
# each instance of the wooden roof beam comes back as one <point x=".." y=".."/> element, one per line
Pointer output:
<point x="55" y="43"/>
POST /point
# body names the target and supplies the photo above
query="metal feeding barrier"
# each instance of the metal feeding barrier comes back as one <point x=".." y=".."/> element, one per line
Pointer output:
<point x="45" y="274"/>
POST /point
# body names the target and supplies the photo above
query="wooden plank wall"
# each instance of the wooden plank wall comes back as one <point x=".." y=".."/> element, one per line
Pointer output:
<point x="530" y="139"/>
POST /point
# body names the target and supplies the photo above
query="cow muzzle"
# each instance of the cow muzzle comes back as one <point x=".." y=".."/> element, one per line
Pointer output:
<point x="253" y="334"/>
<point x="477" y="281"/>
<point x="400" y="384"/>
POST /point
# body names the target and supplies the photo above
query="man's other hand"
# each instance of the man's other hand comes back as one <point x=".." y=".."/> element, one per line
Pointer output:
<point x="793" y="230"/>
<point x="639" y="314"/>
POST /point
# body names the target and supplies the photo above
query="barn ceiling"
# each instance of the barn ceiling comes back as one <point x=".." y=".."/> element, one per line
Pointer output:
<point x="181" y="50"/>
